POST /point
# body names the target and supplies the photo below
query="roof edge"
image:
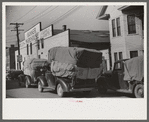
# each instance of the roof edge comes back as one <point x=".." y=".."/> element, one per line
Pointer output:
<point x="101" y="11"/>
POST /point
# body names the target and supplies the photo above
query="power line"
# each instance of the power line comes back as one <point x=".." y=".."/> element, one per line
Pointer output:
<point x="65" y="14"/>
<point x="40" y="16"/>
<point x="26" y="13"/>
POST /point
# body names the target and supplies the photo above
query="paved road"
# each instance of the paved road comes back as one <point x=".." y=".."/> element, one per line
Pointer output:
<point x="13" y="90"/>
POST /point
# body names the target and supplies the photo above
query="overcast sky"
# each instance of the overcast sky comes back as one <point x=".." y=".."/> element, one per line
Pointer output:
<point x="74" y="16"/>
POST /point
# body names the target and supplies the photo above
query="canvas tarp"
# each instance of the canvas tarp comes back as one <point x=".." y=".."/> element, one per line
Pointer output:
<point x="134" y="69"/>
<point x="31" y="64"/>
<point x="70" y="61"/>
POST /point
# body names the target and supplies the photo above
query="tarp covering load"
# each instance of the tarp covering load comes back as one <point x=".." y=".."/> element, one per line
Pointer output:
<point x="134" y="69"/>
<point x="30" y="65"/>
<point x="71" y="61"/>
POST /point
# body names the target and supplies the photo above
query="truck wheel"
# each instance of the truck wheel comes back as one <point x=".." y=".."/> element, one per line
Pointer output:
<point x="27" y="81"/>
<point x="86" y="92"/>
<point x="102" y="89"/>
<point x="139" y="91"/>
<point x="19" y="81"/>
<point x="60" y="91"/>
<point x="40" y="87"/>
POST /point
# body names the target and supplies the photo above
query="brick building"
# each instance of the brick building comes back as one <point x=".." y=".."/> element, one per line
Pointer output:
<point x="10" y="57"/>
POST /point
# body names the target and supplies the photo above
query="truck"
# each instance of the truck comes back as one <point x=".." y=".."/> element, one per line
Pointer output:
<point x="127" y="76"/>
<point x="32" y="69"/>
<point x="69" y="69"/>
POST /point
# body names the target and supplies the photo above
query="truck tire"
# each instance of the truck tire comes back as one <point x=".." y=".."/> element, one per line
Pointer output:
<point x="139" y="91"/>
<point x="40" y="89"/>
<point x="102" y="89"/>
<point x="86" y="92"/>
<point x="27" y="81"/>
<point x="60" y="90"/>
<point x="20" y="81"/>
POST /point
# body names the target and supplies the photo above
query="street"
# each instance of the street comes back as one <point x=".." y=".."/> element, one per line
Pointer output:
<point x="13" y="90"/>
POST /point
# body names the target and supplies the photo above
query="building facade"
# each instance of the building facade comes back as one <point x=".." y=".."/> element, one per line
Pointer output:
<point x="10" y="57"/>
<point x="126" y="27"/>
<point x="38" y="42"/>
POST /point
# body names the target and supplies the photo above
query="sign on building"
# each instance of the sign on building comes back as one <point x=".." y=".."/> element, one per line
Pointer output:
<point x="47" y="32"/>
<point x="32" y="34"/>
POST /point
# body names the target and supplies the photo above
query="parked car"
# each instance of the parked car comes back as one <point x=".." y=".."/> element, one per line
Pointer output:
<point x="13" y="74"/>
<point x="71" y="70"/>
<point x="33" y="68"/>
<point x="126" y="76"/>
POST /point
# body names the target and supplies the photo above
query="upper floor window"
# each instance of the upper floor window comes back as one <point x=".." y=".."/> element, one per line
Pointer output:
<point x="118" y="26"/>
<point x="131" y="24"/>
<point x="113" y="28"/>
<point x="133" y="54"/>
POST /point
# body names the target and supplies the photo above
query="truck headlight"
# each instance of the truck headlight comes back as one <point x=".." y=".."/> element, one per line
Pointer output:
<point x="41" y="70"/>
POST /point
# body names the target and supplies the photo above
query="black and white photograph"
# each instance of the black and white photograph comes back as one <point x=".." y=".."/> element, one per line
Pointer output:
<point x="74" y="60"/>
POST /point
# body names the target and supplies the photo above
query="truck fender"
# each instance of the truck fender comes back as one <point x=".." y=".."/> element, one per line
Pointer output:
<point x="63" y="84"/>
<point x="43" y="80"/>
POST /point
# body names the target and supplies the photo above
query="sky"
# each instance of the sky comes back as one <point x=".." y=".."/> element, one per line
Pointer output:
<point x="76" y="17"/>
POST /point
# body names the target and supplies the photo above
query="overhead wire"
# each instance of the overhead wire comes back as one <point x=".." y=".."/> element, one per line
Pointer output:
<point x="38" y="16"/>
<point x="25" y="14"/>
<point x="64" y="14"/>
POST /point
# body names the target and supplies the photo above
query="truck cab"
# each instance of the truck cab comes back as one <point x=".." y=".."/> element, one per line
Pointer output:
<point x="114" y="80"/>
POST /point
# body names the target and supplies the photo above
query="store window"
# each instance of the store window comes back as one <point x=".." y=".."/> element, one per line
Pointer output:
<point x="118" y="27"/>
<point x="30" y="48"/>
<point x="27" y="50"/>
<point x="113" y="28"/>
<point x="133" y="54"/>
<point x="131" y="24"/>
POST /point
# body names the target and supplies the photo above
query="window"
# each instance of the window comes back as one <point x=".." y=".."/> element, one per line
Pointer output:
<point x="38" y="44"/>
<point x="39" y="56"/>
<point x="120" y="55"/>
<point x="30" y="48"/>
<point x="113" y="28"/>
<point x="27" y="50"/>
<point x="131" y="24"/>
<point x="115" y="57"/>
<point x="118" y="27"/>
<point x="133" y="54"/>
<point x="42" y="43"/>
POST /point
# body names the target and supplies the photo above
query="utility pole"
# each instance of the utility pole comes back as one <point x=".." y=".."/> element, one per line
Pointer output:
<point x="17" y="30"/>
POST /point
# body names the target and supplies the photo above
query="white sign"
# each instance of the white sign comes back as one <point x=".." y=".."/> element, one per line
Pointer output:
<point x="32" y="31"/>
<point x="23" y="44"/>
<point x="46" y="33"/>
<point x="32" y="38"/>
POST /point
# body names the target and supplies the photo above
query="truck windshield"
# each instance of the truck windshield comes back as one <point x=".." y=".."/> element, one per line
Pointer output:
<point x="118" y="66"/>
